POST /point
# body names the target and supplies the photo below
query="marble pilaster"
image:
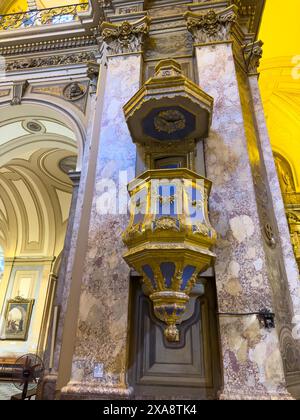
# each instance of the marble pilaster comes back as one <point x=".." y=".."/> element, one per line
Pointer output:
<point x="69" y="278"/>
<point x="287" y="296"/>
<point x="48" y="386"/>
<point x="103" y="310"/>
<point x="251" y="357"/>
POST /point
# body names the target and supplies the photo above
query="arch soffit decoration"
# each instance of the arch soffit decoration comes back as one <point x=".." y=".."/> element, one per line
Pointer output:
<point x="42" y="107"/>
<point x="46" y="191"/>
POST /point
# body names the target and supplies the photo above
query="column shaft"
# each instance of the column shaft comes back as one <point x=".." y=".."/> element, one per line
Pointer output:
<point x="103" y="310"/>
<point x="251" y="357"/>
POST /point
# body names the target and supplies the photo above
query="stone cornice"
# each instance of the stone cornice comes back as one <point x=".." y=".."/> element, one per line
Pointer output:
<point x="211" y="26"/>
<point x="46" y="61"/>
<point x="51" y="45"/>
<point x="249" y="11"/>
<point x="252" y="55"/>
<point x="125" y="37"/>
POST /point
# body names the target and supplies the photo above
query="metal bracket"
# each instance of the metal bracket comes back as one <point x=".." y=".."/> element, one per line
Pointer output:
<point x="266" y="318"/>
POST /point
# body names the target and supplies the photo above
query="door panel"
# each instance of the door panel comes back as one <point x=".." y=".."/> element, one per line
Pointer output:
<point x="188" y="369"/>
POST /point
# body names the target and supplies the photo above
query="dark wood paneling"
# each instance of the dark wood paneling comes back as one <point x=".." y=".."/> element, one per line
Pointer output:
<point x="189" y="369"/>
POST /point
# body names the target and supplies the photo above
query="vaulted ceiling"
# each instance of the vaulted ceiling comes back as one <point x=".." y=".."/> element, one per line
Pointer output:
<point x="280" y="79"/>
<point x="35" y="191"/>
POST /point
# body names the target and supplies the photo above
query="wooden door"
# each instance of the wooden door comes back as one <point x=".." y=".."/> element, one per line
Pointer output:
<point x="189" y="369"/>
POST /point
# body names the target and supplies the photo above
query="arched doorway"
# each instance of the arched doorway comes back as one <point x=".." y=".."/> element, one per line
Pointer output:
<point x="39" y="145"/>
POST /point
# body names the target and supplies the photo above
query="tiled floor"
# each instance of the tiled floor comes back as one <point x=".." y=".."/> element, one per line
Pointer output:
<point x="7" y="390"/>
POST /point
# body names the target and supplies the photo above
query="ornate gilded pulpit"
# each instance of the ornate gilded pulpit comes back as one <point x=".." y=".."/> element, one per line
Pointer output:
<point x="169" y="237"/>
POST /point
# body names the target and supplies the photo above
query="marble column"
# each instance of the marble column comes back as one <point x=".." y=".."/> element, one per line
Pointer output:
<point x="252" y="364"/>
<point x="285" y="283"/>
<point x="100" y="357"/>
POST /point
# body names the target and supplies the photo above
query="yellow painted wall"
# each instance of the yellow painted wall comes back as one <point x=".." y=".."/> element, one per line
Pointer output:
<point x="15" y="6"/>
<point x="280" y="78"/>
<point x="44" y="4"/>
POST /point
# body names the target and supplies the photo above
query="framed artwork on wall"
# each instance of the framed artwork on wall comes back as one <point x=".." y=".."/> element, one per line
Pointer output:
<point x="17" y="319"/>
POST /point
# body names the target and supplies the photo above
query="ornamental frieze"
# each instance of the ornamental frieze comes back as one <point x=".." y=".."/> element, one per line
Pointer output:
<point x="211" y="26"/>
<point x="48" y="61"/>
<point x="125" y="37"/>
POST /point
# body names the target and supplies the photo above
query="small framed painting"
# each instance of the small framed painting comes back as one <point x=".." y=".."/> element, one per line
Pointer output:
<point x="17" y="318"/>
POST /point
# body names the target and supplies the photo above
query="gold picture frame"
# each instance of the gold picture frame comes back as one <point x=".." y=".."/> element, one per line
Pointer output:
<point x="17" y="318"/>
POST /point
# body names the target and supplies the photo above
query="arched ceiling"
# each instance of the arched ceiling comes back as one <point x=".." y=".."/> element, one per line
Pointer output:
<point x="280" y="80"/>
<point x="35" y="192"/>
<point x="35" y="197"/>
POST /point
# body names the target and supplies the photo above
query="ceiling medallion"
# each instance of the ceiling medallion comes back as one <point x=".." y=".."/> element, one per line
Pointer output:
<point x="169" y="121"/>
<point x="74" y="91"/>
<point x="33" y="127"/>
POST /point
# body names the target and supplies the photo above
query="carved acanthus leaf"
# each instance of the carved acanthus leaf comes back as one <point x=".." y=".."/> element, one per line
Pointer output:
<point x="52" y="60"/>
<point x="125" y="37"/>
<point x="252" y="54"/>
<point x="211" y="26"/>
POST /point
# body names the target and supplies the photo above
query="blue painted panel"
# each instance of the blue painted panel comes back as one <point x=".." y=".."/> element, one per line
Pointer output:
<point x="165" y="207"/>
<point x="149" y="273"/>
<point x="150" y="129"/>
<point x="188" y="271"/>
<point x="195" y="212"/>
<point x="167" y="270"/>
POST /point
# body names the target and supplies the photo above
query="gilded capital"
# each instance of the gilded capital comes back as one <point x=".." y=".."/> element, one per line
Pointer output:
<point x="126" y="37"/>
<point x="212" y="26"/>
<point x="252" y="54"/>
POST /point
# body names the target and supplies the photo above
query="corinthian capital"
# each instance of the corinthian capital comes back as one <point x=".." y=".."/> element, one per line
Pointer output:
<point x="211" y="26"/>
<point x="125" y="37"/>
<point x="252" y="54"/>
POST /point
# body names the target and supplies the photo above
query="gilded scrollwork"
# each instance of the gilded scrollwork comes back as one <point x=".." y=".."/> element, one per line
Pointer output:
<point x="169" y="121"/>
<point x="166" y="223"/>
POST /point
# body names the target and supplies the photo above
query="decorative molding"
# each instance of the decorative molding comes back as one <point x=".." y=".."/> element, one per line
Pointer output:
<point x="59" y="44"/>
<point x="126" y="37"/>
<point x="4" y="93"/>
<point x="74" y="92"/>
<point x="48" y="61"/>
<point x="127" y="7"/>
<point x="211" y="26"/>
<point x="93" y="74"/>
<point x="252" y="54"/>
<point x="19" y="89"/>
<point x="249" y="13"/>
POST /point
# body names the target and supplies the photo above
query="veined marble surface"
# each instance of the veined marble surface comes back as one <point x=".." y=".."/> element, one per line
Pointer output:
<point x="251" y="355"/>
<point x="103" y="315"/>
